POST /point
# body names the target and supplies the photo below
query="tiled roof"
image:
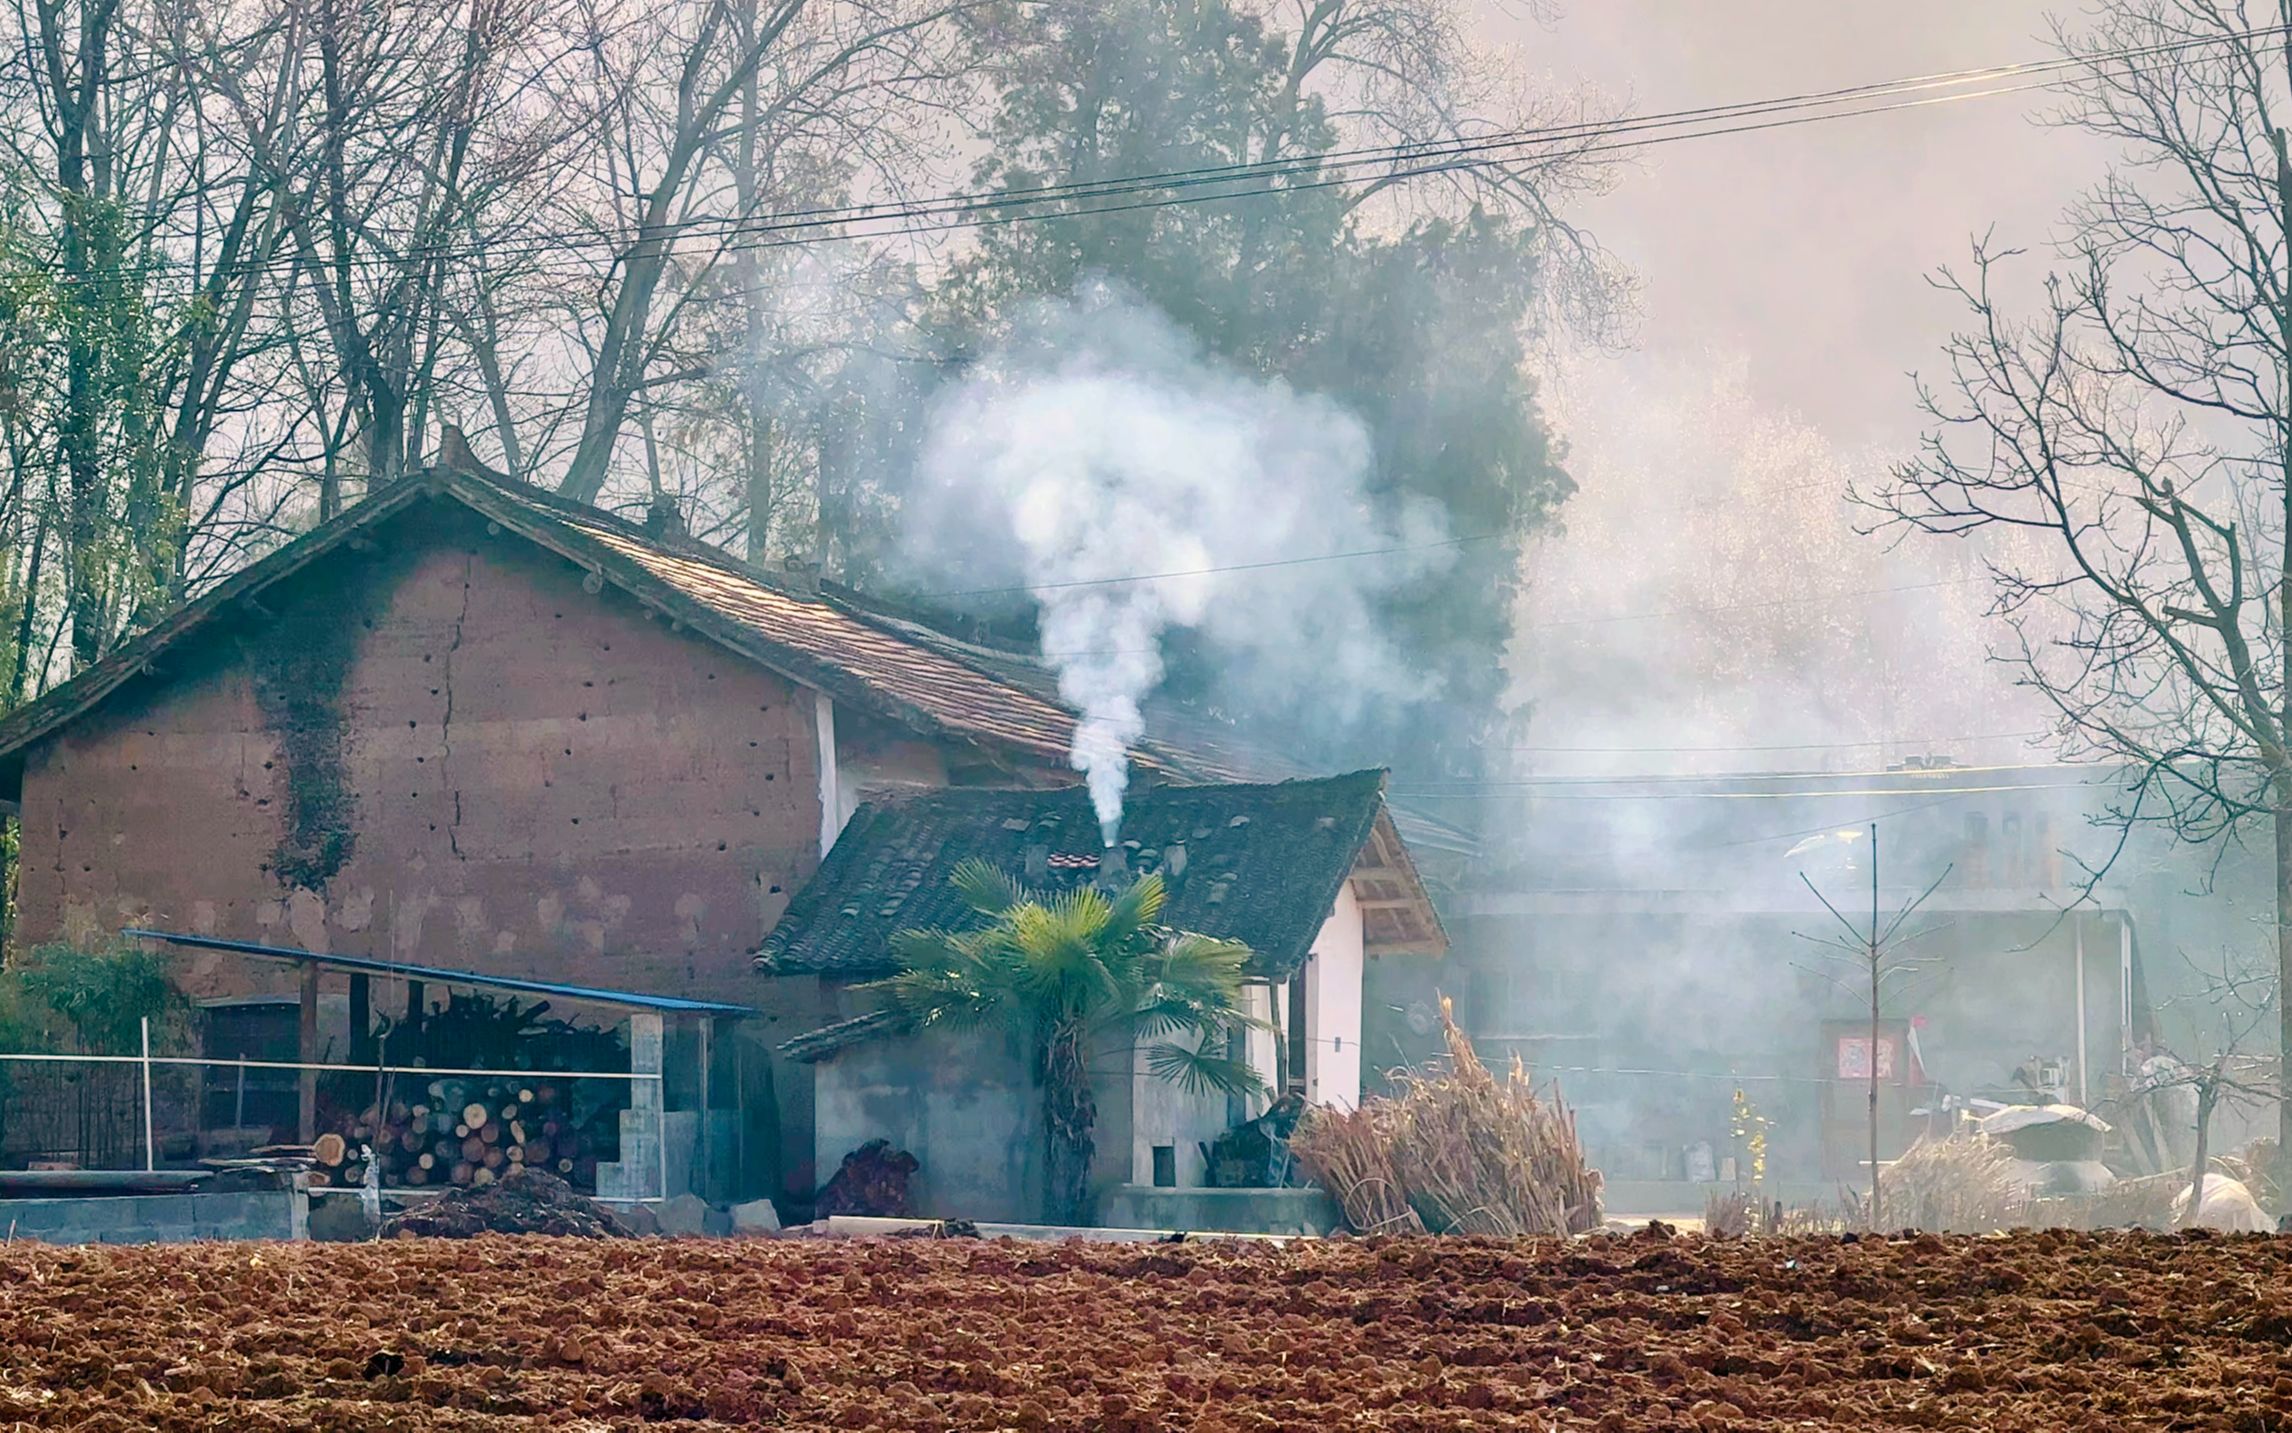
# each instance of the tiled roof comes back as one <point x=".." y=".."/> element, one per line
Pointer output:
<point x="859" y="650"/>
<point x="824" y="639"/>
<point x="1259" y="864"/>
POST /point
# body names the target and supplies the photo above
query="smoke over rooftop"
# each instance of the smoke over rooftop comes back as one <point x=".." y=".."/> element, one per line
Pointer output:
<point x="1100" y="466"/>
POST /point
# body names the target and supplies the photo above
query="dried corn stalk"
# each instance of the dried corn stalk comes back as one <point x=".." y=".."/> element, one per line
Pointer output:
<point x="1349" y="1156"/>
<point x="1456" y="1152"/>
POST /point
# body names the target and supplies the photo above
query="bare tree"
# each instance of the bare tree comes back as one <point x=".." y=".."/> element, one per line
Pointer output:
<point x="2236" y="1003"/>
<point x="706" y="115"/>
<point x="2125" y="451"/>
<point x="1876" y="955"/>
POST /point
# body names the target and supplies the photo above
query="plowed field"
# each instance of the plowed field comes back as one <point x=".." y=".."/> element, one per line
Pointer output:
<point x="2035" y="1331"/>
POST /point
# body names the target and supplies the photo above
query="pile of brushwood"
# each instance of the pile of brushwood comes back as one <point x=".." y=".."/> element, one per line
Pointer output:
<point x="871" y="1181"/>
<point x="528" y="1201"/>
<point x="1456" y="1151"/>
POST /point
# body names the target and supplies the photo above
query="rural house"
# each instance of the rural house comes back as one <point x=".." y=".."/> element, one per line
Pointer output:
<point x="1311" y="875"/>
<point x="468" y="725"/>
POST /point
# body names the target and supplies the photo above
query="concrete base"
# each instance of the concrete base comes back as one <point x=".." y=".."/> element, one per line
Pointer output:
<point x="159" y="1218"/>
<point x="1221" y="1211"/>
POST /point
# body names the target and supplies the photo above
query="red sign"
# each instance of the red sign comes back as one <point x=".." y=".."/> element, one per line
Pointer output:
<point x="1854" y="1057"/>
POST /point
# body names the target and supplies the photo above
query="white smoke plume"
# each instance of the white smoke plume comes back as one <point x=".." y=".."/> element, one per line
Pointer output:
<point x="1130" y="485"/>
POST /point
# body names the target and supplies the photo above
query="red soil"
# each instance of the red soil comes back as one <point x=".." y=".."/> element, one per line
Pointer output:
<point x="2032" y="1331"/>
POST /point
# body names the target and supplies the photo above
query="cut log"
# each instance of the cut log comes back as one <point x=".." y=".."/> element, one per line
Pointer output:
<point x="481" y="1177"/>
<point x="473" y="1149"/>
<point x="475" y="1115"/>
<point x="418" y="1174"/>
<point x="425" y="1160"/>
<point x="464" y="1172"/>
<point x="328" y="1149"/>
<point x="495" y="1159"/>
<point x="491" y="1134"/>
<point x="565" y="1166"/>
<point x="461" y="1131"/>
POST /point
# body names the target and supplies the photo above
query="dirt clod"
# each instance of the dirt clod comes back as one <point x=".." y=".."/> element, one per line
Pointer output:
<point x="422" y="1334"/>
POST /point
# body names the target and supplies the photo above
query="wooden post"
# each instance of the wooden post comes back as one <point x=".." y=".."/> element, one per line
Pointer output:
<point x="307" y="1043"/>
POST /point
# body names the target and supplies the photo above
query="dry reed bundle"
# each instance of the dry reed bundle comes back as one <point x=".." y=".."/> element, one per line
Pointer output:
<point x="1465" y="1152"/>
<point x="1348" y="1155"/>
<point x="1965" y="1185"/>
<point x="2144" y="1203"/>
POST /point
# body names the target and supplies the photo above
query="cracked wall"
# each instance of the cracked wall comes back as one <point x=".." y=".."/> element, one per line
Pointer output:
<point x="452" y="754"/>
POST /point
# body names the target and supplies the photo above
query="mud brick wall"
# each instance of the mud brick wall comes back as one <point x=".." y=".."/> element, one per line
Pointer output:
<point x="440" y="749"/>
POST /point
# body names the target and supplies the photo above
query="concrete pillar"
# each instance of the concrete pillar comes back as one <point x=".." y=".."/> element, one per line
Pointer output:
<point x="307" y="1044"/>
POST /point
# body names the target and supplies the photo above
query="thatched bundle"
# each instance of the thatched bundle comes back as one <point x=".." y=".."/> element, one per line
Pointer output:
<point x="1965" y="1185"/>
<point x="1456" y="1152"/>
<point x="1349" y="1153"/>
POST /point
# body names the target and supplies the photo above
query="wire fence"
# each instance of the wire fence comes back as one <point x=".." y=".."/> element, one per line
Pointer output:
<point x="105" y="1110"/>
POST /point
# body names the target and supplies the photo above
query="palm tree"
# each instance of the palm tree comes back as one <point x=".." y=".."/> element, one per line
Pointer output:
<point x="1064" y="971"/>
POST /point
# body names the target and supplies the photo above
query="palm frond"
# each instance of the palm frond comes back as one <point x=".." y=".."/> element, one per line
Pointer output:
<point x="1199" y="1072"/>
<point x="1136" y="909"/>
<point x="986" y="888"/>
<point x="1209" y="974"/>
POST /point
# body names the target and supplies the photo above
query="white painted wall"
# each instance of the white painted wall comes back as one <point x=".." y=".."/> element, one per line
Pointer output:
<point x="1162" y="1113"/>
<point x="832" y="811"/>
<point x="1333" y="976"/>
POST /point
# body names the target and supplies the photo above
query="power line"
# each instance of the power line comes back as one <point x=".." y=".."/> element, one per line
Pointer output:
<point x="1418" y="151"/>
<point x="1781" y="746"/>
<point x="1030" y="587"/>
<point x="1483" y="149"/>
<point x="1752" y="606"/>
<point x="1476" y="790"/>
<point x="1672" y="778"/>
<point x="980" y="209"/>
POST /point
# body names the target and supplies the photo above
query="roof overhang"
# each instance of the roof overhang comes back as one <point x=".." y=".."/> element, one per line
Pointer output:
<point x="1397" y="913"/>
<point x="441" y="975"/>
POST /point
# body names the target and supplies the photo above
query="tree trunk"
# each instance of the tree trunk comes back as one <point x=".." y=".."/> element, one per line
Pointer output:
<point x="1070" y="1113"/>
<point x="2283" y="984"/>
<point x="2208" y="1094"/>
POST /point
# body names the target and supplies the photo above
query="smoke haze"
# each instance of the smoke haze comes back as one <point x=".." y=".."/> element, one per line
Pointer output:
<point x="1096" y="445"/>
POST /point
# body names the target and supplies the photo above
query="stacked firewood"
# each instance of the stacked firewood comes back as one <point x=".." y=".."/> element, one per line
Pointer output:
<point x="468" y="1133"/>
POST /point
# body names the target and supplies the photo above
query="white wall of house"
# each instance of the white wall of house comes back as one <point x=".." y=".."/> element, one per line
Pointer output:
<point x="1164" y="1114"/>
<point x="1333" y="977"/>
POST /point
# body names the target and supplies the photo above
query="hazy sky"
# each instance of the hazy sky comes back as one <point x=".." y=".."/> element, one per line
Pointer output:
<point x="1805" y="249"/>
<point x="1709" y="585"/>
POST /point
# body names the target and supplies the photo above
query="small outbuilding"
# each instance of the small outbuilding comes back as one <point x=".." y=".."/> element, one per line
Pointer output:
<point x="1310" y="874"/>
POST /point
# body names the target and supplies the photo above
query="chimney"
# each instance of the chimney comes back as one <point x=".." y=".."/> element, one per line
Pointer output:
<point x="454" y="453"/>
<point x="801" y="575"/>
<point x="1038" y="864"/>
<point x="1113" y="868"/>
<point x="1174" y="860"/>
<point x="664" y="518"/>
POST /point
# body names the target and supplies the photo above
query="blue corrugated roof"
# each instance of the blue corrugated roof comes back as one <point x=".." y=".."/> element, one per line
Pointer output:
<point x="368" y="965"/>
